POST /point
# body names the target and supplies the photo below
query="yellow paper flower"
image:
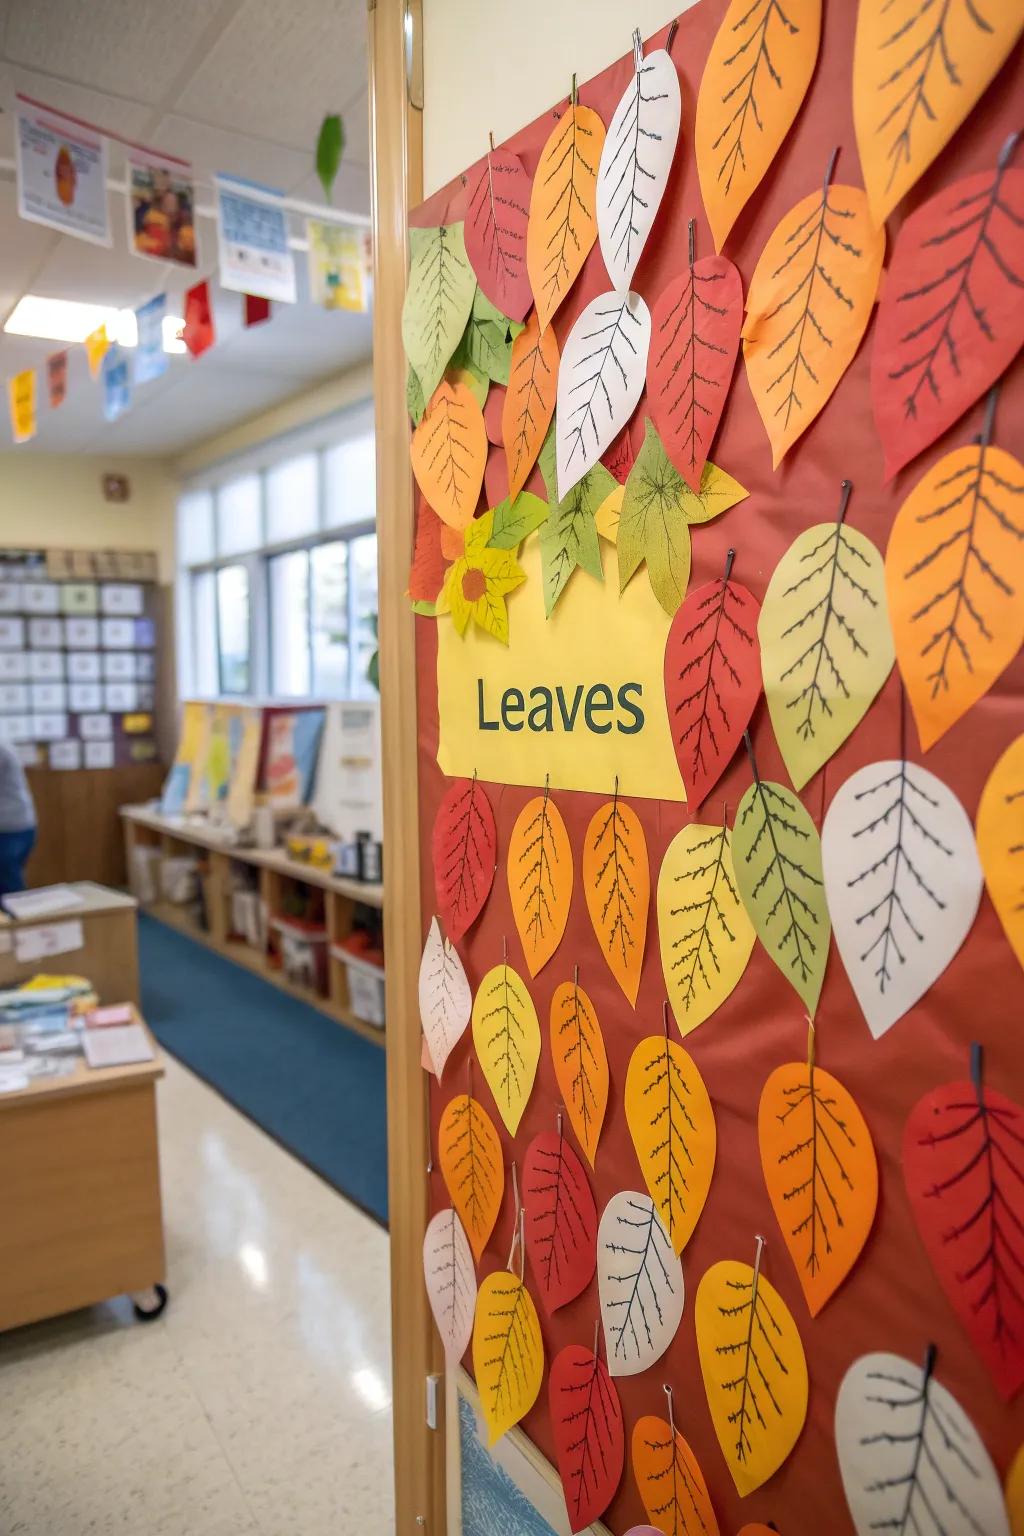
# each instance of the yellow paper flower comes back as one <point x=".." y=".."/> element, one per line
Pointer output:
<point x="478" y="582"/>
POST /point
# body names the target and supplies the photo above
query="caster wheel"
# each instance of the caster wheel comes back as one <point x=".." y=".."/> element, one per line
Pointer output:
<point x="150" y="1304"/>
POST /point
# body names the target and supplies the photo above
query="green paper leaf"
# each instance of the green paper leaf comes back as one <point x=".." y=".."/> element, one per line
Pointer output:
<point x="547" y="462"/>
<point x="476" y="380"/>
<point x="330" y="147"/>
<point x="514" y="520"/>
<point x="488" y="339"/>
<point x="568" y="536"/>
<point x="438" y="301"/>
<point x="414" y="400"/>
<point x="426" y="610"/>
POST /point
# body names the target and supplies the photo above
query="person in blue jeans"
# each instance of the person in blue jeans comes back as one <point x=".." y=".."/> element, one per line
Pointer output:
<point x="17" y="821"/>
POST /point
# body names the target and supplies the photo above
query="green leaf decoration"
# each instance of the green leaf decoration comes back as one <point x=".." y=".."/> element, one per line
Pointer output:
<point x="425" y="610"/>
<point x="489" y="337"/>
<point x="474" y="378"/>
<point x="776" y="856"/>
<point x="438" y="301"/>
<point x="330" y="146"/>
<point x="568" y="535"/>
<point x="415" y="403"/>
<point x="514" y="520"/>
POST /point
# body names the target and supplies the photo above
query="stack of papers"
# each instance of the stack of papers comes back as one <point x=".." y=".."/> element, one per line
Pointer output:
<point x="116" y="1045"/>
<point x="41" y="902"/>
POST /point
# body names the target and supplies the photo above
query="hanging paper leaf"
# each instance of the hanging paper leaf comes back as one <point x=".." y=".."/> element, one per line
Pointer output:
<point x="438" y="301"/>
<point x="758" y="1530"/>
<point x="617" y="885"/>
<point x="640" y="1283"/>
<point x="916" y="75"/>
<point x="563" y="208"/>
<point x="600" y="380"/>
<point x="705" y="934"/>
<point x="618" y="459"/>
<point x="670" y="1482"/>
<point x="496" y="217"/>
<point x="590" y="1442"/>
<point x="479" y="580"/>
<point x="951" y="318"/>
<point x="561" y="1220"/>
<point x="1014" y="1493"/>
<point x="414" y="401"/>
<point x="608" y="514"/>
<point x="469" y="1153"/>
<point x="492" y="409"/>
<point x="468" y="374"/>
<point x="826" y="645"/>
<point x="754" y="82"/>
<point x="507" y="1039"/>
<point x="529" y="401"/>
<point x="910" y="1458"/>
<point x="451" y="1282"/>
<point x="568" y="537"/>
<point x="463" y="846"/>
<point x="540" y="879"/>
<point x="330" y="146"/>
<point x="672" y="1124"/>
<point x="449" y="449"/>
<point x="1001" y="842"/>
<point x="513" y="520"/>
<point x="712" y="681"/>
<point x="754" y="1369"/>
<point x="445" y="998"/>
<point x="427" y="572"/>
<point x="635" y="163"/>
<point x="508" y="1352"/>
<point x="902" y="881"/>
<point x="808" y="306"/>
<point x="822" y="1175"/>
<point x="581" y="1063"/>
<point x="489" y="338"/>
<point x="642" y="1530"/>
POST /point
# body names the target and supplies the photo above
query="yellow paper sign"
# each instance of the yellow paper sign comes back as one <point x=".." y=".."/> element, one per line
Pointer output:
<point x="21" y="395"/>
<point x="97" y="344"/>
<point x="136" y="725"/>
<point x="338" y="262"/>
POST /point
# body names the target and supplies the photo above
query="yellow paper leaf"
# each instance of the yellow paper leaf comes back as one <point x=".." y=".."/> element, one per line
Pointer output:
<point x="479" y="580"/>
<point x="672" y="1124"/>
<point x="1000" y="833"/>
<point x="608" y="513"/>
<point x="705" y="934"/>
<point x="1015" y="1493"/>
<point x="718" y="492"/>
<point x="540" y="879"/>
<point x="449" y="451"/>
<point x="617" y="885"/>
<point x="507" y="1039"/>
<point x="563" y="208"/>
<point x="508" y="1352"/>
<point x="469" y="1152"/>
<point x="581" y="1063"/>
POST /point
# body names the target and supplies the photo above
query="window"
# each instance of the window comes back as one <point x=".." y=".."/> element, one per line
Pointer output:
<point x="289" y="624"/>
<point x="238" y="515"/>
<point x="233" y="628"/>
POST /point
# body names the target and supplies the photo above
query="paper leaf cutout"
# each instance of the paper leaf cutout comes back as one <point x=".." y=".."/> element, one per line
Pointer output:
<point x="1001" y="842"/>
<point x="672" y="1124"/>
<point x="712" y="681"/>
<point x="951" y="315"/>
<point x="529" y="400"/>
<point x="560" y="1220"/>
<point x="826" y="646"/>
<point x="438" y="301"/>
<point x="642" y="1530"/>
<point x="449" y="449"/>
<point x="618" y="459"/>
<point x="758" y="1530"/>
<point x="568" y="538"/>
<point x="954" y="568"/>
<point x="777" y="856"/>
<point x="822" y="1175"/>
<point x="902" y="881"/>
<point x="427" y="572"/>
<point x="640" y="1283"/>
<point x="469" y="1153"/>
<point x="600" y="380"/>
<point x="445" y="998"/>
<point x="617" y="885"/>
<point x="540" y="879"/>
<point x="489" y="338"/>
<point x="963" y="1164"/>
<point x="590" y="1442"/>
<point x="608" y="514"/>
<point x="695" y="336"/>
<point x="910" y="1458"/>
<point x="464" y="845"/>
<point x="635" y="163"/>
<point x="581" y="1063"/>
<point x="670" y="1482"/>
<point x="754" y="1369"/>
<point x="414" y="398"/>
<point x="496" y="217"/>
<point x="917" y="72"/>
<point x="506" y="1035"/>
<point x="512" y="521"/>
<point x="479" y="580"/>
<point x="1014" y="1493"/>
<point x="451" y="1281"/>
<point x="808" y="305"/>
<point x="563" y="208"/>
<point x="705" y="934"/>
<point x="508" y="1352"/>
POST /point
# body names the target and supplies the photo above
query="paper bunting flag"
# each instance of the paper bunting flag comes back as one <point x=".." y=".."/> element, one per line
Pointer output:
<point x="640" y="1283"/>
<point x="1001" y="842"/>
<point x="910" y="1458"/>
<point x="672" y="1124"/>
<point x="428" y="569"/>
<point x="57" y="378"/>
<point x="581" y="1063"/>
<point x="495" y="232"/>
<point x="1014" y="1493"/>
<point x="449" y="448"/>
<point x="670" y="1482"/>
<point x="21" y="402"/>
<point x="487" y="343"/>
<point x="902" y="881"/>
<point x="705" y="934"/>
<point x="754" y="1369"/>
<point x="951" y="315"/>
<point x="540" y="879"/>
<point x="508" y="1352"/>
<point x="808" y="306"/>
<point x="600" y="380"/>
<point x="777" y="857"/>
<point x="560" y="1220"/>
<point x="695" y="336"/>
<point x="438" y="301"/>
<point x="590" y="1442"/>
<point x="451" y="1282"/>
<point x="712" y="681"/>
<point x="826" y="645"/>
<point x="916" y="75"/>
<point x="617" y="885"/>
<point x="963" y="1155"/>
<point x="754" y="82"/>
<point x="478" y="581"/>
<point x="445" y="998"/>
<point x="563" y="208"/>
<point x="463" y="846"/>
<point x="469" y="1153"/>
<point x="97" y="342"/>
<point x="635" y="162"/>
<point x="511" y="521"/>
<point x="507" y="1039"/>
<point x="529" y="400"/>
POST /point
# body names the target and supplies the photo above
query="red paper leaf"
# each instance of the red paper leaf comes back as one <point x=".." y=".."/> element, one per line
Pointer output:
<point x="951" y="315"/>
<point x="712" y="680"/>
<point x="496" y="218"/>
<point x="590" y="1442"/>
<point x="426" y="574"/>
<point x="963" y="1163"/>
<point x="561" y="1220"/>
<point x="464" y="848"/>
<point x="493" y="407"/>
<point x="695" y="336"/>
<point x="619" y="458"/>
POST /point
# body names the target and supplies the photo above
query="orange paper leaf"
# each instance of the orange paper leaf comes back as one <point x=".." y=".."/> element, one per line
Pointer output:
<point x="581" y="1063"/>
<point x="540" y="879"/>
<point x="529" y="400"/>
<point x="469" y="1152"/>
<point x="670" y="1481"/>
<point x="449" y="450"/>
<point x="563" y="208"/>
<point x="1001" y="842"/>
<point x="617" y="885"/>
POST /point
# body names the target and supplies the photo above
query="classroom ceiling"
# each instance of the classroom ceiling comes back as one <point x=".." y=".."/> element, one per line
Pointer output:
<point x="234" y="85"/>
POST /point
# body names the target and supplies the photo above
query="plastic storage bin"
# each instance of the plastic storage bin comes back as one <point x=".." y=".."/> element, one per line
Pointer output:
<point x="303" y="949"/>
<point x="365" y="987"/>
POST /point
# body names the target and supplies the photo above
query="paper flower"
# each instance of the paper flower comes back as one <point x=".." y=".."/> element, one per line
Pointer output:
<point x="478" y="582"/>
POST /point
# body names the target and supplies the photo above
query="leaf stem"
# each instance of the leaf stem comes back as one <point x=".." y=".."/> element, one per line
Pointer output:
<point x="691" y="236"/>
<point x="844" y="500"/>
<point x="750" y="754"/>
<point x="828" y="173"/>
<point x="730" y="557"/>
<point x="990" y="416"/>
<point x="1009" y="145"/>
<point x="977" y="1068"/>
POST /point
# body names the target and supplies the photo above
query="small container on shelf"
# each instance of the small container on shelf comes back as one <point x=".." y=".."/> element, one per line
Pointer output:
<point x="365" y="982"/>
<point x="144" y="873"/>
<point x="302" y="946"/>
<point x="179" y="879"/>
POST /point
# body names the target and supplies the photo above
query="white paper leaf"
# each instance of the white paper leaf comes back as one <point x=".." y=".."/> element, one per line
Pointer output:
<point x="600" y="380"/>
<point x="635" y="163"/>
<point x="902" y="882"/>
<point x="450" y="1278"/>
<point x="640" y="1282"/>
<point x="445" y="999"/>
<point x="911" y="1460"/>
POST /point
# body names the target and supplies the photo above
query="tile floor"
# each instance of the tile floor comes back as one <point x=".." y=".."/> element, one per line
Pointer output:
<point x="258" y="1405"/>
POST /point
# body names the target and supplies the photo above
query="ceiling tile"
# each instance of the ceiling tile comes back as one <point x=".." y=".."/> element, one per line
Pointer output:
<point x="217" y="149"/>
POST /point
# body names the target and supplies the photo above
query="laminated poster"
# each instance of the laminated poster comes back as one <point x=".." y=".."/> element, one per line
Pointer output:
<point x="62" y="172"/>
<point x="252" y="229"/>
<point x="161" y="209"/>
<point x="339" y="261"/>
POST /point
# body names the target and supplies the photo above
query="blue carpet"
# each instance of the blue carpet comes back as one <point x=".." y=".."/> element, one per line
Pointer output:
<point x="315" y="1086"/>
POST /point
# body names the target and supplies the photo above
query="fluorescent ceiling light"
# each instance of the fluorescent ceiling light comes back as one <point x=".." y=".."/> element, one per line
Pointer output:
<point x="66" y="320"/>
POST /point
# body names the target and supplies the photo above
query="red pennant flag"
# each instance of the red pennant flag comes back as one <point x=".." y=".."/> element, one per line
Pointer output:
<point x="256" y="309"/>
<point x="57" y="378"/>
<point x="197" y="332"/>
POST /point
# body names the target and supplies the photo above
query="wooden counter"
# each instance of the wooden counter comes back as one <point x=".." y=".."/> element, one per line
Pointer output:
<point x="109" y="956"/>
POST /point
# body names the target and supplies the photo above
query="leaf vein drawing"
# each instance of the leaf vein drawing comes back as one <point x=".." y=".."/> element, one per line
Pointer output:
<point x="470" y="1155"/>
<point x="444" y="996"/>
<point x="670" y="1481"/>
<point x="600" y="380"/>
<point x="464" y="845"/>
<point x="641" y="1284"/>
<point x="672" y="1126"/>
<point x="709" y="933"/>
<point x="1000" y="824"/>
<point x="530" y="400"/>
<point x="507" y="1038"/>
<point x="563" y="216"/>
<point x="742" y="94"/>
<point x="581" y="1063"/>
<point x="438" y="300"/>
<point x="540" y="878"/>
<point x="635" y="162"/>
<point x="617" y="884"/>
<point x="451" y="1280"/>
<point x="568" y="536"/>
<point x="449" y="449"/>
<point x="561" y="1219"/>
<point x="495" y="227"/>
<point x="587" y="1420"/>
<point x="508" y="1351"/>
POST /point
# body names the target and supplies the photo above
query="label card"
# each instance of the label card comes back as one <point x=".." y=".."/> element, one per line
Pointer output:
<point x="122" y="599"/>
<point x="81" y="634"/>
<point x="46" y="666"/>
<point x="84" y="667"/>
<point x="95" y="727"/>
<point x="117" y="634"/>
<point x="99" y="754"/>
